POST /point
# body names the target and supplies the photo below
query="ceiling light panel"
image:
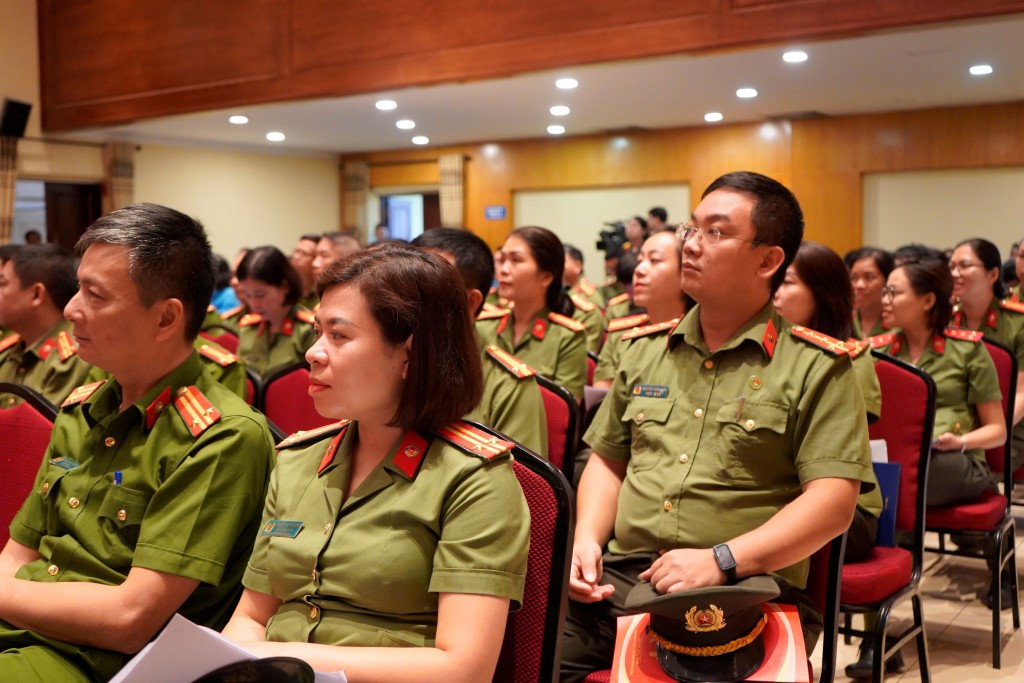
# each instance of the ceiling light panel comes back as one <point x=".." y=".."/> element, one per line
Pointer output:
<point x="386" y="105"/>
<point x="405" y="124"/>
<point x="559" y="110"/>
<point x="238" y="120"/>
<point x="746" y="93"/>
<point x="566" y="83"/>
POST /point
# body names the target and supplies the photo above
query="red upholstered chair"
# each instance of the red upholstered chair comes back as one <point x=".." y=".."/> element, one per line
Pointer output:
<point x="591" y="367"/>
<point x="286" y="401"/>
<point x="531" y="650"/>
<point x="253" y="387"/>
<point x="988" y="519"/>
<point x="891" y="576"/>
<point x="24" y="435"/>
<point x="563" y="418"/>
<point x="224" y="336"/>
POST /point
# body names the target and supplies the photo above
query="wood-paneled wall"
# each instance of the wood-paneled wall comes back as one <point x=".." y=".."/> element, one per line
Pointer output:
<point x="113" y="61"/>
<point x="822" y="161"/>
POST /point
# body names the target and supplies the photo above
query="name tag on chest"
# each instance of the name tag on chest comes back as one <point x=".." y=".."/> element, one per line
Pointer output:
<point x="64" y="462"/>
<point x="650" y="390"/>
<point x="282" y="527"/>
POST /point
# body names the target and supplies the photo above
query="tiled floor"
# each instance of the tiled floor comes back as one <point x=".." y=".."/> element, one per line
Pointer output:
<point x="958" y="625"/>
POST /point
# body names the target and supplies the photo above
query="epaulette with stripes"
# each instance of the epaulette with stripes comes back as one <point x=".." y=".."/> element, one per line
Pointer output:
<point x="66" y="347"/>
<point x="630" y="321"/>
<point x="250" y="319"/>
<point x="880" y="340"/>
<point x="308" y="436"/>
<point x="195" y="409"/>
<point x="81" y="394"/>
<point x="582" y="304"/>
<point x="567" y="322"/>
<point x="1012" y="305"/>
<point x="616" y="300"/>
<point x="855" y="347"/>
<point x="8" y="342"/>
<point x="474" y="441"/>
<point x="822" y="341"/>
<point x="506" y="360"/>
<point x="305" y="316"/>
<point x="962" y="334"/>
<point x="219" y="356"/>
<point x="586" y="287"/>
<point x="232" y="312"/>
<point x="648" y="330"/>
<point x="492" y="314"/>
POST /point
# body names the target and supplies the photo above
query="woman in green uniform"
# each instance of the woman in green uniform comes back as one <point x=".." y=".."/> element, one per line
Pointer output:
<point x="277" y="331"/>
<point x="869" y="267"/>
<point x="539" y="330"/>
<point x="394" y="542"/>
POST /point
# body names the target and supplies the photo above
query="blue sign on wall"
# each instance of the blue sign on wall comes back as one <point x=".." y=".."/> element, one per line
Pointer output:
<point x="495" y="212"/>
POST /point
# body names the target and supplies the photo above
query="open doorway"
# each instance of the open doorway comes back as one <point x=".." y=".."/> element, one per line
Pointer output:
<point x="58" y="212"/>
<point x="406" y="212"/>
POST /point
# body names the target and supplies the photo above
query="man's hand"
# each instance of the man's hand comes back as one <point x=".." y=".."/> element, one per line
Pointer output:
<point x="683" y="568"/>
<point x="586" y="572"/>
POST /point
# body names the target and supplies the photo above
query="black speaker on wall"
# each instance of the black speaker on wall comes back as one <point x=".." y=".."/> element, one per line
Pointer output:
<point x="14" y="118"/>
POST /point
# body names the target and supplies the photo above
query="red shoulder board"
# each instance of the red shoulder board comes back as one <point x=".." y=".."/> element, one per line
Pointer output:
<point x="582" y="304"/>
<point x="830" y="344"/>
<point x="218" y="356"/>
<point x="619" y="324"/>
<point x="473" y="440"/>
<point x="46" y="347"/>
<point x="197" y="412"/>
<point x="965" y="335"/>
<point x="564" y="321"/>
<point x="304" y="436"/>
<point x="1012" y="305"/>
<point x="250" y="319"/>
<point x="66" y="347"/>
<point x="648" y="330"/>
<point x="232" y="312"/>
<point x="616" y="300"/>
<point x="410" y="453"/>
<point x="492" y="314"/>
<point x="81" y="394"/>
<point x="305" y="316"/>
<point x="8" y="342"/>
<point x="510" y="362"/>
<point x="855" y="347"/>
<point x="880" y="340"/>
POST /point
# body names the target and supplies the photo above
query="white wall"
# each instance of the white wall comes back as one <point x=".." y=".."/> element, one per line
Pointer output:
<point x="578" y="216"/>
<point x="243" y="199"/>
<point x="941" y="208"/>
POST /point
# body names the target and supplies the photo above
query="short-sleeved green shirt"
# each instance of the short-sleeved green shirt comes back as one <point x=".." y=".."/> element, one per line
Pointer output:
<point x="431" y="518"/>
<point x="512" y="404"/>
<point x="185" y="505"/>
<point x="224" y="366"/>
<point x="51" y="365"/>
<point x="729" y="436"/>
<point x="590" y="315"/>
<point x="554" y="349"/>
<point x="264" y="352"/>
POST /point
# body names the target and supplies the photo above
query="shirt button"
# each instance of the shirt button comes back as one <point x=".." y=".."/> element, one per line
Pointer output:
<point x="22" y="371"/>
<point x="314" y="612"/>
<point x="684" y="458"/>
<point x="110" y="442"/>
<point x="52" y="570"/>
<point x="668" y="506"/>
<point x="313" y="573"/>
<point x="709" y="364"/>
<point x="750" y="424"/>
<point x="698" y="412"/>
<point x="73" y="502"/>
<point x="46" y="487"/>
<point x="327" y="528"/>
<point x="639" y="417"/>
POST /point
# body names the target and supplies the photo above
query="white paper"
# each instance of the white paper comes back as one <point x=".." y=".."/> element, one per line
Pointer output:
<point x="593" y="396"/>
<point x="185" y="651"/>
<point x="879" y="450"/>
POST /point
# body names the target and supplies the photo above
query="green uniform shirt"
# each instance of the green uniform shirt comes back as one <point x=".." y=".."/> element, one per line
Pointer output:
<point x="729" y="436"/>
<point x="231" y="318"/>
<point x="186" y="505"/>
<point x="212" y="318"/>
<point x="265" y="352"/>
<point x="429" y="519"/>
<point x="858" y="331"/>
<point x="588" y="291"/>
<point x="610" y="357"/>
<point x="871" y="392"/>
<point x="513" y="405"/>
<point x="223" y="366"/>
<point x="610" y="289"/>
<point x="593" y="319"/>
<point x="552" y="349"/>
<point x="51" y="365"/>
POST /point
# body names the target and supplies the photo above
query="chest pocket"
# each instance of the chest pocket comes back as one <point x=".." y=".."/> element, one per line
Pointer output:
<point x="647" y="419"/>
<point x="753" y="443"/>
<point x="123" y="509"/>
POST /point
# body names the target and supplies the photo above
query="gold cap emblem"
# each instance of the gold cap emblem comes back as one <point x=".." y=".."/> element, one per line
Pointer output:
<point x="702" y="620"/>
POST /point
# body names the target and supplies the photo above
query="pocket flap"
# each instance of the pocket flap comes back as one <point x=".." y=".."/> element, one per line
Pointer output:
<point x="751" y="415"/>
<point x="124" y="506"/>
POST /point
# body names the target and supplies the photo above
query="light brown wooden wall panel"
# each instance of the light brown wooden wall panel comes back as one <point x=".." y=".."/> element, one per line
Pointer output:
<point x="404" y="173"/>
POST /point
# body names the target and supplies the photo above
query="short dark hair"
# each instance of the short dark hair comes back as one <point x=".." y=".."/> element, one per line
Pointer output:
<point x="625" y="267"/>
<point x="168" y="256"/>
<point x="573" y="253"/>
<point x="826" y="276"/>
<point x="269" y="264"/>
<point x="8" y="250"/>
<point x="52" y="266"/>
<point x="473" y="257"/>
<point x="548" y="252"/>
<point x="310" y="237"/>
<point x="410" y="291"/>
<point x="221" y="272"/>
<point x="988" y="254"/>
<point x="882" y="259"/>
<point x="659" y="213"/>
<point x="777" y="217"/>
<point x="930" y="275"/>
<point x="341" y="239"/>
<point x="917" y="252"/>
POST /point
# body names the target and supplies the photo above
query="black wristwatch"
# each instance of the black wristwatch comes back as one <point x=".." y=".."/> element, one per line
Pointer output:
<point x="726" y="562"/>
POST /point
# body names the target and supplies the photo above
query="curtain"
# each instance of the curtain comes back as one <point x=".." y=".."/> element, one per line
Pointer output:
<point x="357" y="182"/>
<point x="451" y="172"/>
<point x="119" y="176"/>
<point x="8" y="178"/>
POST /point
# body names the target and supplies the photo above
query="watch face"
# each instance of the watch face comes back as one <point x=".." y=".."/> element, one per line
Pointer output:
<point x="724" y="557"/>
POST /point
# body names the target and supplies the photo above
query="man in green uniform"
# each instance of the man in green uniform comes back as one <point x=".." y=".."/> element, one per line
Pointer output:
<point x="734" y="451"/>
<point x="148" y="500"/>
<point x="574" y="280"/>
<point x="302" y="260"/>
<point x="36" y="284"/>
<point x="512" y="402"/>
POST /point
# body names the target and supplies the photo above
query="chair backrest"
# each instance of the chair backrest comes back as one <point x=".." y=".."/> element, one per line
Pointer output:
<point x="531" y="650"/>
<point x="563" y="418"/>
<point x="253" y="387"/>
<point x="824" y="581"/>
<point x="224" y="336"/>
<point x="591" y="367"/>
<point x="286" y="400"/>
<point x="1006" y="368"/>
<point x="24" y="435"/>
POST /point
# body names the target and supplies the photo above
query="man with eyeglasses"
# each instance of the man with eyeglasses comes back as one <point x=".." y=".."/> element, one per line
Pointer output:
<point x="739" y="449"/>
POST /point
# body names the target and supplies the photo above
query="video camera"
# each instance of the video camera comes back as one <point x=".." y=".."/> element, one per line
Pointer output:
<point x="613" y="242"/>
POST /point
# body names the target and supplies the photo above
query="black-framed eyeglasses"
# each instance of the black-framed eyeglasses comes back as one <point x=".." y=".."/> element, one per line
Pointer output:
<point x="685" y="231"/>
<point x="963" y="266"/>
<point x="889" y="292"/>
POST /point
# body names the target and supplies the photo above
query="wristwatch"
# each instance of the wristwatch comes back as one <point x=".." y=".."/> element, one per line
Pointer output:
<point x="726" y="562"/>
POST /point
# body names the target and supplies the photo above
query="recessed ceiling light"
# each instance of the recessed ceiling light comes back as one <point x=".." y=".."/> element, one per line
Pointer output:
<point x="275" y="136"/>
<point x="559" y="110"/>
<point x="566" y="83"/>
<point x="405" y="124"/>
<point x="794" y="56"/>
<point x="556" y="130"/>
<point x="420" y="140"/>
<point x="238" y="119"/>
<point x="746" y="93"/>
<point x="713" y="117"/>
<point x="386" y="105"/>
<point x="981" y="70"/>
